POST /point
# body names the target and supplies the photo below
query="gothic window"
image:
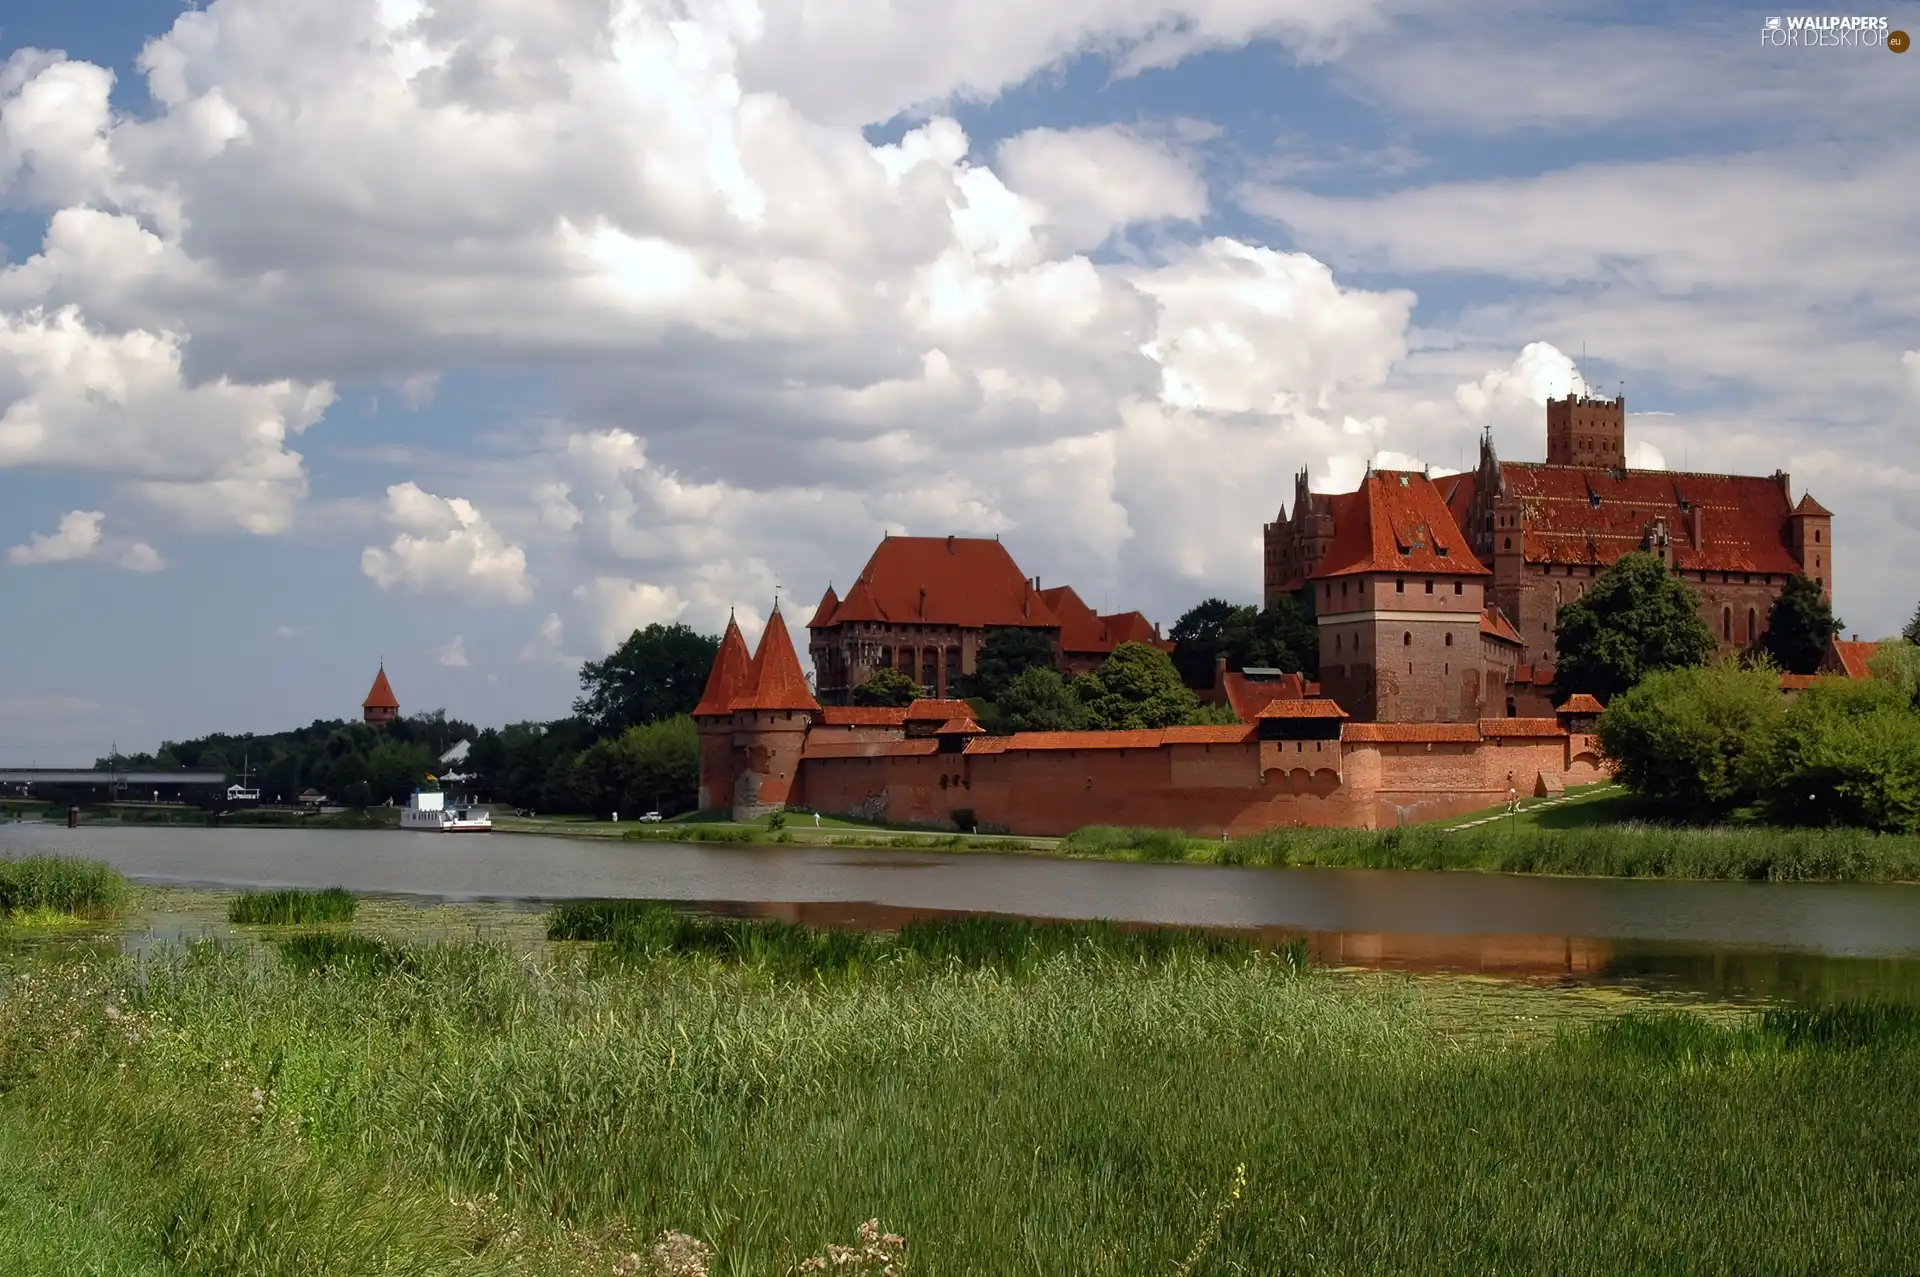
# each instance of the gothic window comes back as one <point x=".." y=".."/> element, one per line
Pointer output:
<point x="1400" y="585"/>
<point x="1449" y="639"/>
<point x="1753" y="625"/>
<point x="1406" y="640"/>
<point x="1507" y="544"/>
<point x="1816" y="536"/>
<point x="1726" y="624"/>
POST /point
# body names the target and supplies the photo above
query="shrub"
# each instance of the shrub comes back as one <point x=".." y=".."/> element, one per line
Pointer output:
<point x="1696" y="741"/>
<point x="1849" y="753"/>
<point x="56" y="884"/>
<point x="1108" y="840"/>
<point x="335" y="904"/>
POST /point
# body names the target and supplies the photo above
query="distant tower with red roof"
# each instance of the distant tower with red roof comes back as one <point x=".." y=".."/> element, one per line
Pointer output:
<point x="753" y="718"/>
<point x="381" y="706"/>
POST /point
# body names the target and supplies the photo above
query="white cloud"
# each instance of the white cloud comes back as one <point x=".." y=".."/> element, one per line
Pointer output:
<point x="212" y="453"/>
<point x="617" y="607"/>
<point x="452" y="654"/>
<point x="1517" y="394"/>
<point x="545" y="647"/>
<point x="78" y="537"/>
<point x="1093" y="182"/>
<point x="288" y="632"/>
<point x="445" y="548"/>
<point x="1910" y="364"/>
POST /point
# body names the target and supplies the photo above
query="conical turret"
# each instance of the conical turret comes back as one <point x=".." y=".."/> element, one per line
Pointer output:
<point x="728" y="680"/>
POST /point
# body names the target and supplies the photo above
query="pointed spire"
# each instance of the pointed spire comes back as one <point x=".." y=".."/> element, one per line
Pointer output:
<point x="727" y="681"/>
<point x="381" y="697"/>
<point x="775" y="679"/>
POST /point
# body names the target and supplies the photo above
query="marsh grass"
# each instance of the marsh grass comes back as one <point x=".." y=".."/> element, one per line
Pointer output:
<point x="43" y="886"/>
<point x="649" y="930"/>
<point x="1631" y="850"/>
<point x="292" y="906"/>
<point x="468" y="1109"/>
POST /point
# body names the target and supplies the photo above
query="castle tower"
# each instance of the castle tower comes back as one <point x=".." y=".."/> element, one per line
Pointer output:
<point x="770" y="725"/>
<point x="713" y="717"/>
<point x="1585" y="431"/>
<point x="1810" y="535"/>
<point x="380" y="707"/>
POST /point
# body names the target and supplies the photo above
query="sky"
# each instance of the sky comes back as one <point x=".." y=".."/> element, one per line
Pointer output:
<point x="470" y="336"/>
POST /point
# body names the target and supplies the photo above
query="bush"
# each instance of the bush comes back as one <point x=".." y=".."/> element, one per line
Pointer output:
<point x="335" y="904"/>
<point x="1696" y="741"/>
<point x="1849" y="754"/>
<point x="1108" y="840"/>
<point x="56" y="884"/>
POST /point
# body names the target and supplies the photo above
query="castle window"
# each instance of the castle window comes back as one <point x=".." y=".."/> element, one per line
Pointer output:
<point x="1449" y="639"/>
<point x="1336" y="643"/>
<point x="1456" y="587"/>
<point x="1510" y="707"/>
<point x="1753" y="625"/>
<point x="1508" y="544"/>
<point x="1726" y="624"/>
<point x="1343" y="589"/>
<point x="1400" y="585"/>
<point x="1429" y="587"/>
<point x="1406" y="640"/>
<point x="1816" y="536"/>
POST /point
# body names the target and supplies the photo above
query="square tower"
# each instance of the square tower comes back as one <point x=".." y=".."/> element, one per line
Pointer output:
<point x="1583" y="431"/>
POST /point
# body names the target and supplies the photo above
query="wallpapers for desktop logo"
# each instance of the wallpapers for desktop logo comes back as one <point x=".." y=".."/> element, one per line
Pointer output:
<point x="1832" y="31"/>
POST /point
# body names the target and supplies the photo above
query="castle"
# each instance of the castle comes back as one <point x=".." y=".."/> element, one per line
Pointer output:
<point x="1436" y="602"/>
<point x="1540" y="533"/>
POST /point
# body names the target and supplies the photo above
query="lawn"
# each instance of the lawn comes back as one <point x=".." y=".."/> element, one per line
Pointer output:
<point x="1008" y="1100"/>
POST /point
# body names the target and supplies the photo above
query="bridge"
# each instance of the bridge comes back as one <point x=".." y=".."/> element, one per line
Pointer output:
<point x="77" y="776"/>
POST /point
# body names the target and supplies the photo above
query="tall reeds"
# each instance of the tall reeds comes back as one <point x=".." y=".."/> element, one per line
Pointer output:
<point x="62" y="886"/>
<point x="292" y="906"/>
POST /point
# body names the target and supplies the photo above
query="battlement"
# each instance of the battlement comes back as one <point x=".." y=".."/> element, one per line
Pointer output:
<point x="1584" y="430"/>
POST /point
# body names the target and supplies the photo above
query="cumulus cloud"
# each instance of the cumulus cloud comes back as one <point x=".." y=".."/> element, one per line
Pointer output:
<point x="1093" y="182"/>
<point x="452" y="654"/>
<point x="1910" y="364"/>
<point x="79" y="536"/>
<point x="212" y="453"/>
<point x="1517" y="395"/>
<point x="445" y="547"/>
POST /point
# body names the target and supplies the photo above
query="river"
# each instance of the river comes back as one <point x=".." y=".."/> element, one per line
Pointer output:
<point x="1722" y="939"/>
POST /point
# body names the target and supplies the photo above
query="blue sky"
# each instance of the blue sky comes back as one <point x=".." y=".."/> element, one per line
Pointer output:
<point x="469" y="336"/>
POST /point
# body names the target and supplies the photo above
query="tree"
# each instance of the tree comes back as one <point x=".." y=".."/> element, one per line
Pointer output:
<point x="1696" y="741"/>
<point x="1039" y="700"/>
<point x="1799" y="625"/>
<point x="397" y="768"/>
<point x="1898" y="663"/>
<point x="1638" y="618"/>
<point x="1136" y="687"/>
<point x="1006" y="652"/>
<point x="657" y="673"/>
<point x="1281" y="636"/>
<point x="1848" y="753"/>
<point x="887" y="686"/>
<point x="1912" y="633"/>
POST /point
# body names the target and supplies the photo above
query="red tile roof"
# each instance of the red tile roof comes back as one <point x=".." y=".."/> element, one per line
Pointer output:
<point x="863" y="715"/>
<point x="823" y="615"/>
<point x="959" y="727"/>
<point x="1581" y="704"/>
<point x="1494" y="624"/>
<point x="963" y="581"/>
<point x="1396" y="522"/>
<point x="775" y="680"/>
<point x="1083" y="630"/>
<point x="1301" y="709"/>
<point x="727" y="680"/>
<point x="1246" y="697"/>
<point x="939" y="711"/>
<point x="381" y="697"/>
<point x="1797" y="682"/>
<point x="1409" y="733"/>
<point x="1575" y="514"/>
<point x="1207" y="734"/>
<point x="1536" y="675"/>
<point x="869" y="749"/>
<point x="1852" y="657"/>
<point x="1809" y="506"/>
<point x="1493" y="728"/>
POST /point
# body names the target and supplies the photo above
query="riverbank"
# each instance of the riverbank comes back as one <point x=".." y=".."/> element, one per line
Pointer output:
<point x="386" y="1104"/>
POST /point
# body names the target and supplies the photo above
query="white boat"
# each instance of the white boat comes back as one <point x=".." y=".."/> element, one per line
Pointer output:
<point x="427" y="810"/>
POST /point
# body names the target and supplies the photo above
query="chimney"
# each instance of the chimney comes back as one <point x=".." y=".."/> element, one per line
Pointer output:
<point x="1219" y="671"/>
<point x="923" y="602"/>
<point x="950" y="549"/>
<point x="1696" y="526"/>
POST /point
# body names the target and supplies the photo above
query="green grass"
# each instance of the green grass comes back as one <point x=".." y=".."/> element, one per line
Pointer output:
<point x="334" y="904"/>
<point x="650" y="930"/>
<point x="1605" y="851"/>
<point x="42" y="885"/>
<point x="465" y="1109"/>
